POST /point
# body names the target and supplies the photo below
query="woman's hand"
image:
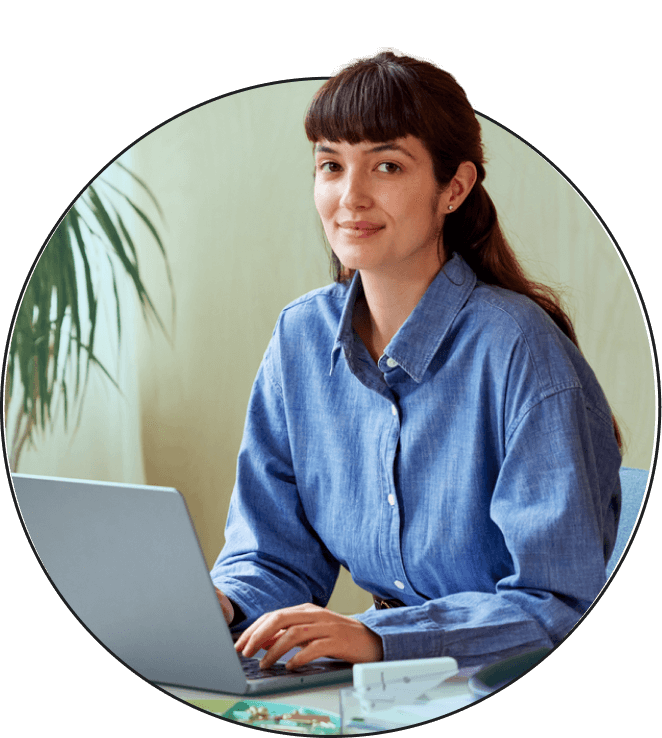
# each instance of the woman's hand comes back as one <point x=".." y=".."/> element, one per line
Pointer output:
<point x="317" y="631"/>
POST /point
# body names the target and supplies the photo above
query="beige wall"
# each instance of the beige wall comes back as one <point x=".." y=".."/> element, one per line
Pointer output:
<point x="234" y="178"/>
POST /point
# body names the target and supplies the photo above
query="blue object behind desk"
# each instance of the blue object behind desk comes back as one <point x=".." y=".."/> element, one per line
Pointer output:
<point x="633" y="489"/>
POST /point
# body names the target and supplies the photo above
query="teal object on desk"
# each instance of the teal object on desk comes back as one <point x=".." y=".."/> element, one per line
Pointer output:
<point x="495" y="676"/>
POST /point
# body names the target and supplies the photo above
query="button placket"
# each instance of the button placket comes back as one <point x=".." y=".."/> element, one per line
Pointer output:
<point x="391" y="496"/>
<point x="390" y="548"/>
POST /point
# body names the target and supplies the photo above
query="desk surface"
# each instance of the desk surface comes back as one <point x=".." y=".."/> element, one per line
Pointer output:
<point x="452" y="695"/>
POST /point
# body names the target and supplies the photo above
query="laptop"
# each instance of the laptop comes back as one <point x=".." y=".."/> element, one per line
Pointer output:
<point x="126" y="560"/>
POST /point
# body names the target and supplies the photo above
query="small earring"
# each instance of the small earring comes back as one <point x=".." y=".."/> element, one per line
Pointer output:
<point x="450" y="207"/>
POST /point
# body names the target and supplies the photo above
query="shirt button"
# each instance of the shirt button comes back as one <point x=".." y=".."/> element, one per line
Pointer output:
<point x="399" y="584"/>
<point x="394" y="410"/>
<point x="391" y="500"/>
<point x="391" y="363"/>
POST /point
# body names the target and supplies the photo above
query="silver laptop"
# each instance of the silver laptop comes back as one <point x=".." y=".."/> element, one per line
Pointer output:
<point x="126" y="560"/>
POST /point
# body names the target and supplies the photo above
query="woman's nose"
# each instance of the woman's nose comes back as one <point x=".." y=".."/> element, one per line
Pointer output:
<point x="356" y="192"/>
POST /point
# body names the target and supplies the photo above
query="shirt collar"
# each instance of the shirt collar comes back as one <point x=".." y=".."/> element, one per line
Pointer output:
<point x="345" y="335"/>
<point x="419" y="338"/>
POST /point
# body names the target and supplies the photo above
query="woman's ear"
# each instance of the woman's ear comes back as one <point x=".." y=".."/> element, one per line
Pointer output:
<point x="461" y="184"/>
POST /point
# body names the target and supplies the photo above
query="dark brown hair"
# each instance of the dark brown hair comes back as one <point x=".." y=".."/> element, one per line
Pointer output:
<point x="388" y="97"/>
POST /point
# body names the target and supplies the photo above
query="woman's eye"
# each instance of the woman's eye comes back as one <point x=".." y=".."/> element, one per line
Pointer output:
<point x="388" y="167"/>
<point x="329" y="166"/>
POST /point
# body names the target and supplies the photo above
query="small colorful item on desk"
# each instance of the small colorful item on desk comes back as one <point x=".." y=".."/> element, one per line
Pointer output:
<point x="284" y="718"/>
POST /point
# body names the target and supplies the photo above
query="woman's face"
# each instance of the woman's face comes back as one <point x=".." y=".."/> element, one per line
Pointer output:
<point x="380" y="205"/>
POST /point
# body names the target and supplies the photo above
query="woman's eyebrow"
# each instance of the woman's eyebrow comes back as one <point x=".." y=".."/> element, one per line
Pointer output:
<point x="388" y="146"/>
<point x="392" y="146"/>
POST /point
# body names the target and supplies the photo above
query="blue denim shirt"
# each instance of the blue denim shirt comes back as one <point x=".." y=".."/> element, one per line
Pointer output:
<point x="472" y="473"/>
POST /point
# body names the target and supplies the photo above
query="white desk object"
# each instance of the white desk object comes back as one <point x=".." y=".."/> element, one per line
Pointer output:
<point x="400" y="682"/>
<point x="388" y="695"/>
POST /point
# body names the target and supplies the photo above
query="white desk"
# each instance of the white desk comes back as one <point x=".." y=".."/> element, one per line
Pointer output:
<point x="452" y="695"/>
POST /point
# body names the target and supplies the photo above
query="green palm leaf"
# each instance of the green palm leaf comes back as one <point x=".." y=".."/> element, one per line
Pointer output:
<point x="55" y="328"/>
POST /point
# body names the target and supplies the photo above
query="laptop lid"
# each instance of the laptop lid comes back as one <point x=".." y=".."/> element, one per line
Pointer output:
<point x="126" y="560"/>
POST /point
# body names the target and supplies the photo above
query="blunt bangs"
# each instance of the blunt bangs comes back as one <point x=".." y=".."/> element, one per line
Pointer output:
<point x="374" y="104"/>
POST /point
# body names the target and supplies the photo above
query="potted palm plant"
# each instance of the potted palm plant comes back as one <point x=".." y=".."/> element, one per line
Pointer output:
<point x="52" y="347"/>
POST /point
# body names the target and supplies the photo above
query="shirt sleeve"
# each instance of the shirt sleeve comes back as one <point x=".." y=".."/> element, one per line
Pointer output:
<point x="556" y="502"/>
<point x="272" y="557"/>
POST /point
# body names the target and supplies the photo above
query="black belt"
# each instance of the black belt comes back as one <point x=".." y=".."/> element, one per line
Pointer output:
<point x="381" y="604"/>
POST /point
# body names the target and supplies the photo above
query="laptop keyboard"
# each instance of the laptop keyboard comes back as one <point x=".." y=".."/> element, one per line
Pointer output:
<point x="252" y="669"/>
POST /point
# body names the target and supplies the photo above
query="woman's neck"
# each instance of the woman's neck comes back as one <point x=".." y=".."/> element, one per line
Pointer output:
<point x="386" y="303"/>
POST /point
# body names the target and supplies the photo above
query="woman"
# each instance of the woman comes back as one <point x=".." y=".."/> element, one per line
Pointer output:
<point x="427" y="421"/>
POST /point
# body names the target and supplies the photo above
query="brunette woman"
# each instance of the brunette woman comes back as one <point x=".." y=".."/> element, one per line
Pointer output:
<point x="427" y="421"/>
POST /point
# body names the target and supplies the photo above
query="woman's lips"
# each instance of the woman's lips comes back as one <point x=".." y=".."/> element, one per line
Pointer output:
<point x="360" y="228"/>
